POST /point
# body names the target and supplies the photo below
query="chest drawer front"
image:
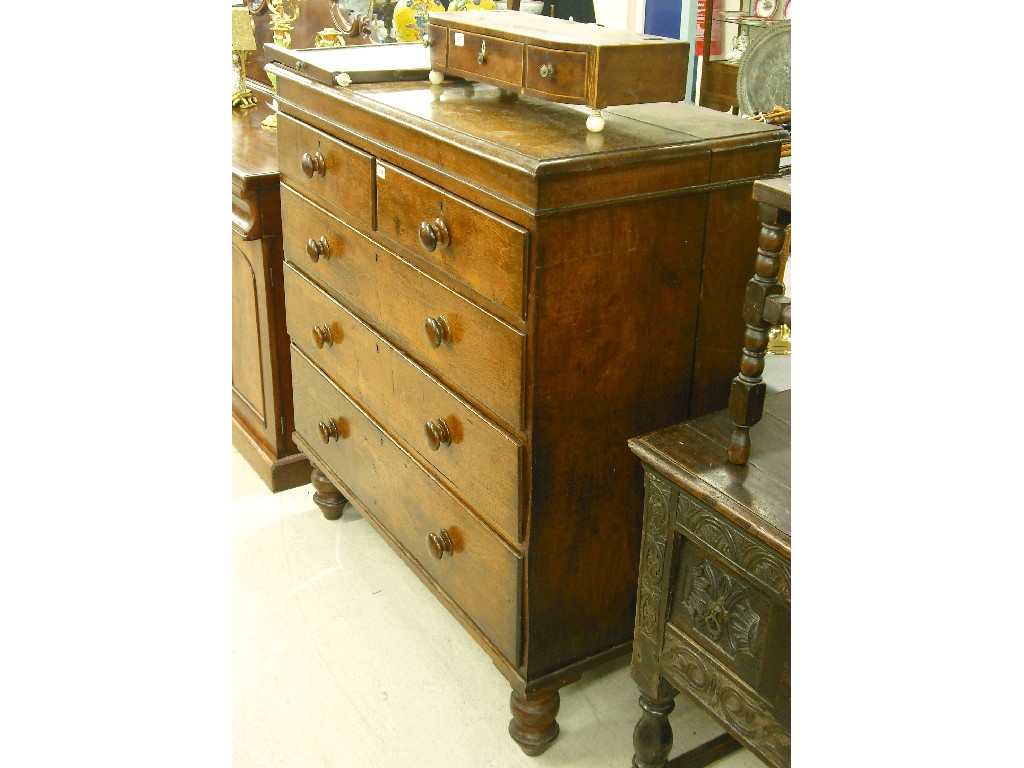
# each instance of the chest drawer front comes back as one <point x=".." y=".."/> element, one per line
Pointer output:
<point x="335" y="172"/>
<point x="482" y="250"/>
<point x="479" y="458"/>
<point x="476" y="353"/>
<point x="561" y="75"/>
<point x="480" y="57"/>
<point x="480" y="574"/>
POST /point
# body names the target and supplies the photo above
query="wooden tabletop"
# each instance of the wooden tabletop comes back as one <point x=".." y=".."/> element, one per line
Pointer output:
<point x="253" y="148"/>
<point x="755" y="495"/>
<point x="774" y="192"/>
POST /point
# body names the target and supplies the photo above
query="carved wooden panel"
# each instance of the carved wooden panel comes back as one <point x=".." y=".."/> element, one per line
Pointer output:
<point x="745" y="713"/>
<point x="747" y="553"/>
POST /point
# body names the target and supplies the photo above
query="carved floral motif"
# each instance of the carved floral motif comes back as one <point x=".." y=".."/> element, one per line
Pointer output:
<point x="720" y="610"/>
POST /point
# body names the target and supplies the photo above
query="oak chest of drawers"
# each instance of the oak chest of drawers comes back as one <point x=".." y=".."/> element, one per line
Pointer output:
<point x="484" y="302"/>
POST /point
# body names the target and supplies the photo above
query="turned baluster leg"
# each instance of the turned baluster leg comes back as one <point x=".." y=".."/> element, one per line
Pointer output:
<point x="533" y="725"/>
<point x="652" y="737"/>
<point x="746" y="397"/>
<point x="326" y="496"/>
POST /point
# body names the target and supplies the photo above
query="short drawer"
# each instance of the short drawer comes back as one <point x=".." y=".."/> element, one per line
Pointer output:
<point x="480" y="574"/>
<point x="480" y="57"/>
<point x="480" y="459"/>
<point x="338" y="174"/>
<point x="559" y="75"/>
<point x="469" y="349"/>
<point x="474" y="246"/>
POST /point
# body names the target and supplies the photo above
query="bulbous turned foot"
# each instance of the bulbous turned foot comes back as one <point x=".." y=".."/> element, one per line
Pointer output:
<point x="435" y="77"/>
<point x="326" y="496"/>
<point x="533" y="725"/>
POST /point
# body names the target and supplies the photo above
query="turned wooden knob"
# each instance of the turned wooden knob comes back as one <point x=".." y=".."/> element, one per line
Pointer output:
<point x="433" y="234"/>
<point x="322" y="334"/>
<point x="437" y="433"/>
<point x="547" y="70"/>
<point x="318" y="249"/>
<point x="440" y="544"/>
<point x="313" y="164"/>
<point x="328" y="430"/>
<point x="437" y="331"/>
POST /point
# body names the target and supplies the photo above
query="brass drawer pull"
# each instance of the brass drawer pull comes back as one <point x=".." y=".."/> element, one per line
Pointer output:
<point x="322" y="334"/>
<point x="547" y="70"/>
<point x="328" y="430"/>
<point x="483" y="52"/>
<point x="440" y="544"/>
<point x="313" y="164"/>
<point x="437" y="331"/>
<point x="433" y="234"/>
<point x="437" y="434"/>
<point x="318" y="249"/>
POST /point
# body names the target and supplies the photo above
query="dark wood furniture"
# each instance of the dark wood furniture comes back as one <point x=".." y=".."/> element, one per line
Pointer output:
<point x="713" y="601"/>
<point x="261" y="387"/>
<point x="558" y="60"/>
<point x="484" y="302"/>
<point x="765" y="306"/>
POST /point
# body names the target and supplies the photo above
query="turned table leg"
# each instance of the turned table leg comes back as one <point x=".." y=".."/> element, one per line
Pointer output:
<point x="326" y="496"/>
<point x="652" y="737"/>
<point x="533" y="725"/>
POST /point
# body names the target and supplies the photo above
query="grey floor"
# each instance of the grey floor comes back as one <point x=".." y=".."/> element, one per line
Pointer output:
<point x="341" y="657"/>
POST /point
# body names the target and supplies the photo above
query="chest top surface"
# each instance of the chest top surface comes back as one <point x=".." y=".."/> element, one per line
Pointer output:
<point x="756" y="495"/>
<point x="516" y="133"/>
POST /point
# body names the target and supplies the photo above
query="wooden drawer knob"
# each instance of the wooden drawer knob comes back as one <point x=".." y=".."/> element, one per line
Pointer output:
<point x="433" y="234"/>
<point x="322" y="334"/>
<point x="437" y="433"/>
<point x="547" y="70"/>
<point x="318" y="249"/>
<point x="328" y="430"/>
<point x="440" y="544"/>
<point x="437" y="331"/>
<point x="313" y="164"/>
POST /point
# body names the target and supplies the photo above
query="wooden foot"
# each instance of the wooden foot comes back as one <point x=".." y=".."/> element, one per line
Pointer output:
<point x="533" y="725"/>
<point x="326" y="496"/>
<point x="652" y="737"/>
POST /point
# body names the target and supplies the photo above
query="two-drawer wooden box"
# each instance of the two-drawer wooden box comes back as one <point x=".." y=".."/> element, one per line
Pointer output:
<point x="557" y="59"/>
<point x="483" y="305"/>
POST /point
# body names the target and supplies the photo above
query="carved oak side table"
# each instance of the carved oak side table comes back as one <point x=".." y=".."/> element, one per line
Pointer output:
<point x="713" y="603"/>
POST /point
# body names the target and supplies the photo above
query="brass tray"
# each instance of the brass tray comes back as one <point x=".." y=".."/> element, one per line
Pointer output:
<point x="382" y="62"/>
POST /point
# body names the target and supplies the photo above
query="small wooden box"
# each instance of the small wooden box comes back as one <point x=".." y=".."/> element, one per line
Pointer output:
<point x="558" y="60"/>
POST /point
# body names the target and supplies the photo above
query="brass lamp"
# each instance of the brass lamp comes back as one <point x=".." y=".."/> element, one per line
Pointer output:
<point x="243" y="42"/>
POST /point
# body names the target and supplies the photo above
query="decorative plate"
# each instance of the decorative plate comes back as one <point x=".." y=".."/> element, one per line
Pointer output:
<point x="765" y="9"/>
<point x="762" y="82"/>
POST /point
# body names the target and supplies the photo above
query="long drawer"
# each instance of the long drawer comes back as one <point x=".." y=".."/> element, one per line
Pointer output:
<point x="466" y="347"/>
<point x="480" y="573"/>
<point x="481" y="460"/>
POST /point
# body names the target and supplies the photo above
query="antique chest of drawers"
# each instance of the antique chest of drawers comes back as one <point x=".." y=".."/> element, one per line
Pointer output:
<point x="713" y="605"/>
<point x="484" y="302"/>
